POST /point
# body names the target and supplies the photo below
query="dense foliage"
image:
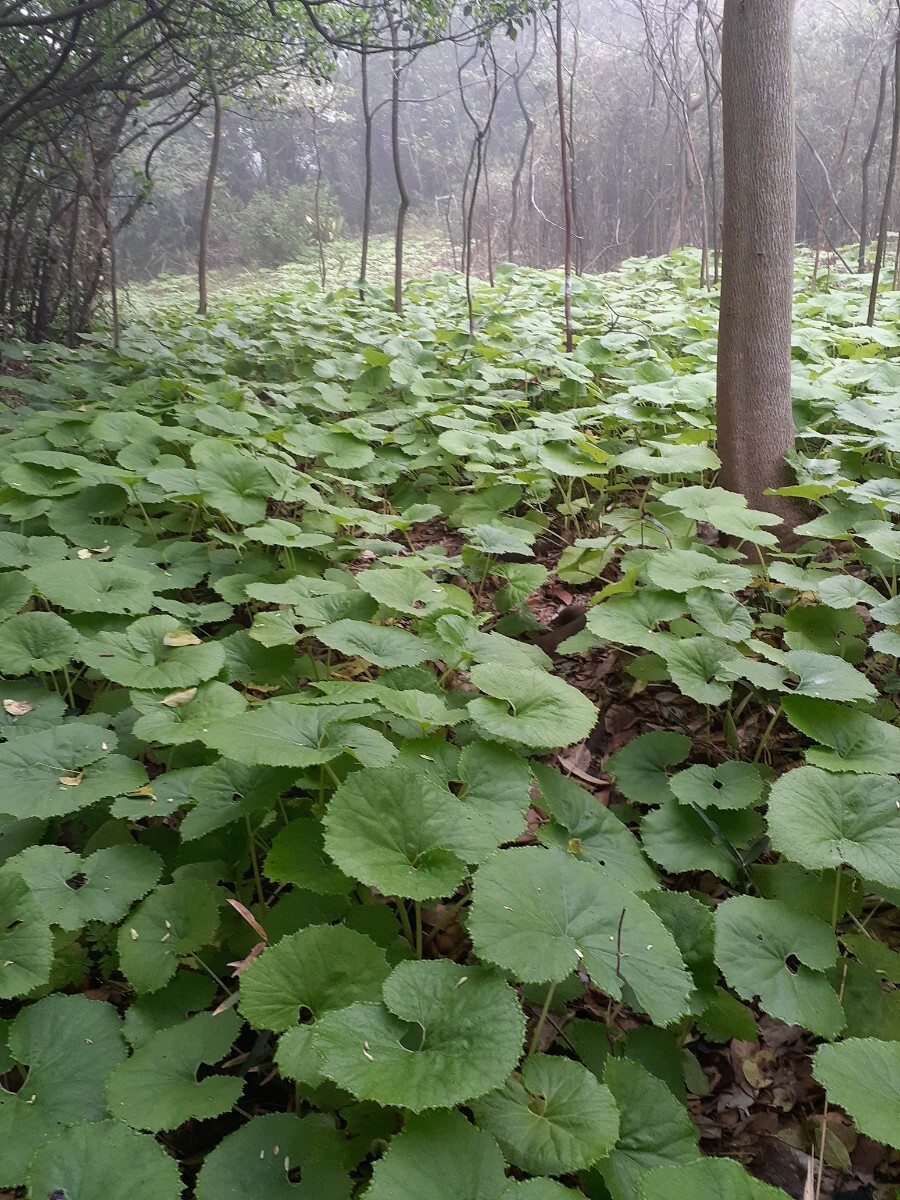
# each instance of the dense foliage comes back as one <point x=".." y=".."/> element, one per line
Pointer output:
<point x="299" y="897"/>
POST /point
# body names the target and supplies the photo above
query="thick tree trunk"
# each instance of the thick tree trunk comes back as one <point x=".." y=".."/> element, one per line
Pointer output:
<point x="755" y="422"/>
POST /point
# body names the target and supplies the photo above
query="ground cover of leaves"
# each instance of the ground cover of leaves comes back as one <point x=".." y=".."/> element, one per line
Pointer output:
<point x="417" y="777"/>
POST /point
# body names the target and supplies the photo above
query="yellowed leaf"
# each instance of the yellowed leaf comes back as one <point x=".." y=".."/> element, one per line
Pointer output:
<point x="17" y="708"/>
<point x="177" y="699"/>
<point x="72" y="780"/>
<point x="181" y="637"/>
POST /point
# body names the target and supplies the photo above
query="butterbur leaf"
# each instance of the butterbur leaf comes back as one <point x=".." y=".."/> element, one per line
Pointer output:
<point x="281" y="734"/>
<point x="819" y="819"/>
<point x="583" y="827"/>
<point x="69" y="1045"/>
<point x="726" y="510"/>
<point x="694" y="665"/>
<point x="862" y="1075"/>
<point x="140" y="658"/>
<point x="232" y="481"/>
<point x="403" y="589"/>
<point x="542" y="913"/>
<point x="93" y="586"/>
<point x="298" y="856"/>
<point x="826" y="677"/>
<point x="444" y="1034"/>
<point x="498" y="788"/>
<point x="767" y="949"/>
<point x="173" y="722"/>
<point x="94" y="1162"/>
<point x="222" y="793"/>
<point x="383" y="645"/>
<point x="397" y="832"/>
<point x="175" y="920"/>
<point x="706" y="1179"/>
<point x="443" y="1157"/>
<point x="71" y="891"/>
<point x="26" y="945"/>
<point x="526" y="705"/>
<point x="729" y="785"/>
<point x="188" y="993"/>
<point x="654" y="1128"/>
<point x="258" y="1159"/>
<point x="14" y="592"/>
<point x="720" y="614"/>
<point x="553" y="1118"/>
<point x="63" y="769"/>
<point x="640" y="767"/>
<point x="682" y="839"/>
<point x="157" y="1088"/>
<point x="635" y="620"/>
<point x="851" y="741"/>
<point x="685" y="570"/>
<point x="33" y="642"/>
<point x="320" y="968"/>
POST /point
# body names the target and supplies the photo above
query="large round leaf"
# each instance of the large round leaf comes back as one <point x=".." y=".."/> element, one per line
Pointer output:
<point x="443" y="1035"/>
<point x="768" y="949"/>
<point x="264" y="1157"/>
<point x="820" y="819"/>
<point x="153" y="653"/>
<point x="176" y="919"/>
<point x="62" y="770"/>
<point x="174" y="718"/>
<point x="640" y="767"/>
<point x="685" y="570"/>
<point x="851" y="741"/>
<point x="730" y="785"/>
<point x="826" y="677"/>
<point x="320" y="968"/>
<point x="71" y="891"/>
<point x="94" y="1162"/>
<point x="553" y="1118"/>
<point x="398" y="832"/>
<point x="383" y="645"/>
<point x="862" y="1075"/>
<point x="33" y="642"/>
<point x="157" y="1088"/>
<point x="706" y="1179"/>
<point x="92" y="586"/>
<point x="14" y="592"/>
<point x="543" y="913"/>
<point x="442" y="1157"/>
<point x="526" y="705"/>
<point x="281" y="734"/>
<point x="26" y="944"/>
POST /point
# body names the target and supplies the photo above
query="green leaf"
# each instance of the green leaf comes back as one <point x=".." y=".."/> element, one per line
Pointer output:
<point x="188" y="993"/>
<point x="635" y="620"/>
<point x="69" y="1045"/>
<point x="444" y="1035"/>
<point x="682" y="839"/>
<point x="685" y="570"/>
<point x="654" y="1128"/>
<point x="820" y="819"/>
<point x="405" y="835"/>
<point x="706" y="1179"/>
<point x="383" y="645"/>
<point x="553" y="1118"/>
<point x="826" y="677"/>
<point x="14" y="593"/>
<point x="140" y="658"/>
<point x="694" y="665"/>
<point x="726" y="510"/>
<point x="232" y="481"/>
<point x="223" y="792"/>
<point x="405" y="590"/>
<point x="255" y="1161"/>
<point x="720" y="615"/>
<point x="175" y="920"/>
<point x="94" y="1162"/>
<point x="320" y="968"/>
<point x="857" y="742"/>
<point x="528" y="706"/>
<point x="542" y="913"/>
<point x="157" y="1088"/>
<point x="173" y="719"/>
<point x="585" y="828"/>
<point x="34" y="642"/>
<point x="767" y="949"/>
<point x="70" y="890"/>
<point x="279" y="733"/>
<point x="62" y="770"/>
<point x="862" y="1075"/>
<point x="640" y="766"/>
<point x="729" y="785"/>
<point x="275" y="532"/>
<point x="26" y="944"/>
<point x="498" y="788"/>
<point x="298" y="856"/>
<point x="93" y="586"/>
<point x="442" y="1157"/>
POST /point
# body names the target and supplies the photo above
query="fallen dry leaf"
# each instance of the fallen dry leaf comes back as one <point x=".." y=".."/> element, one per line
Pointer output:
<point x="177" y="699"/>
<point x="181" y="637"/>
<point x="17" y="708"/>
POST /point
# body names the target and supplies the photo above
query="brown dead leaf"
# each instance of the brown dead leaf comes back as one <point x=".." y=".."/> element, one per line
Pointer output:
<point x="181" y="637"/>
<point x="177" y="699"/>
<point x="72" y="780"/>
<point x="17" y="708"/>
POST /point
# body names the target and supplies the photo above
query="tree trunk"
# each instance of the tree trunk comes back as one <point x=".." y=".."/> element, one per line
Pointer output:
<point x="208" y="198"/>
<point x="564" y="181"/>
<point x="403" y="204"/>
<point x="367" y="189"/>
<point x="881" y="248"/>
<point x="866" y="162"/>
<point x="755" y="422"/>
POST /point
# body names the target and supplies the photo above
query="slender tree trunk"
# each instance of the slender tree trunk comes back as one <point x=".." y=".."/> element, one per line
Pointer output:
<point x="317" y="201"/>
<point x="403" y="205"/>
<point x="367" y="190"/>
<point x="523" y="155"/>
<point x="866" y="163"/>
<point x="755" y="422"/>
<point x="565" y="183"/>
<point x="881" y="248"/>
<point x="202" y="282"/>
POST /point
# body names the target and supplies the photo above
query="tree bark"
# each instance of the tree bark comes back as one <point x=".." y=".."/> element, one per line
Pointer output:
<point x="755" y="421"/>
<point x="564" y="181"/>
<point x="202" y="282"/>
<point x="403" y="203"/>
<point x="866" y="162"/>
<point x="881" y="248"/>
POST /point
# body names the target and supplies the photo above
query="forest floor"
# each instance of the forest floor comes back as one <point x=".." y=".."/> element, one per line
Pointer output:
<point x="348" y="658"/>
